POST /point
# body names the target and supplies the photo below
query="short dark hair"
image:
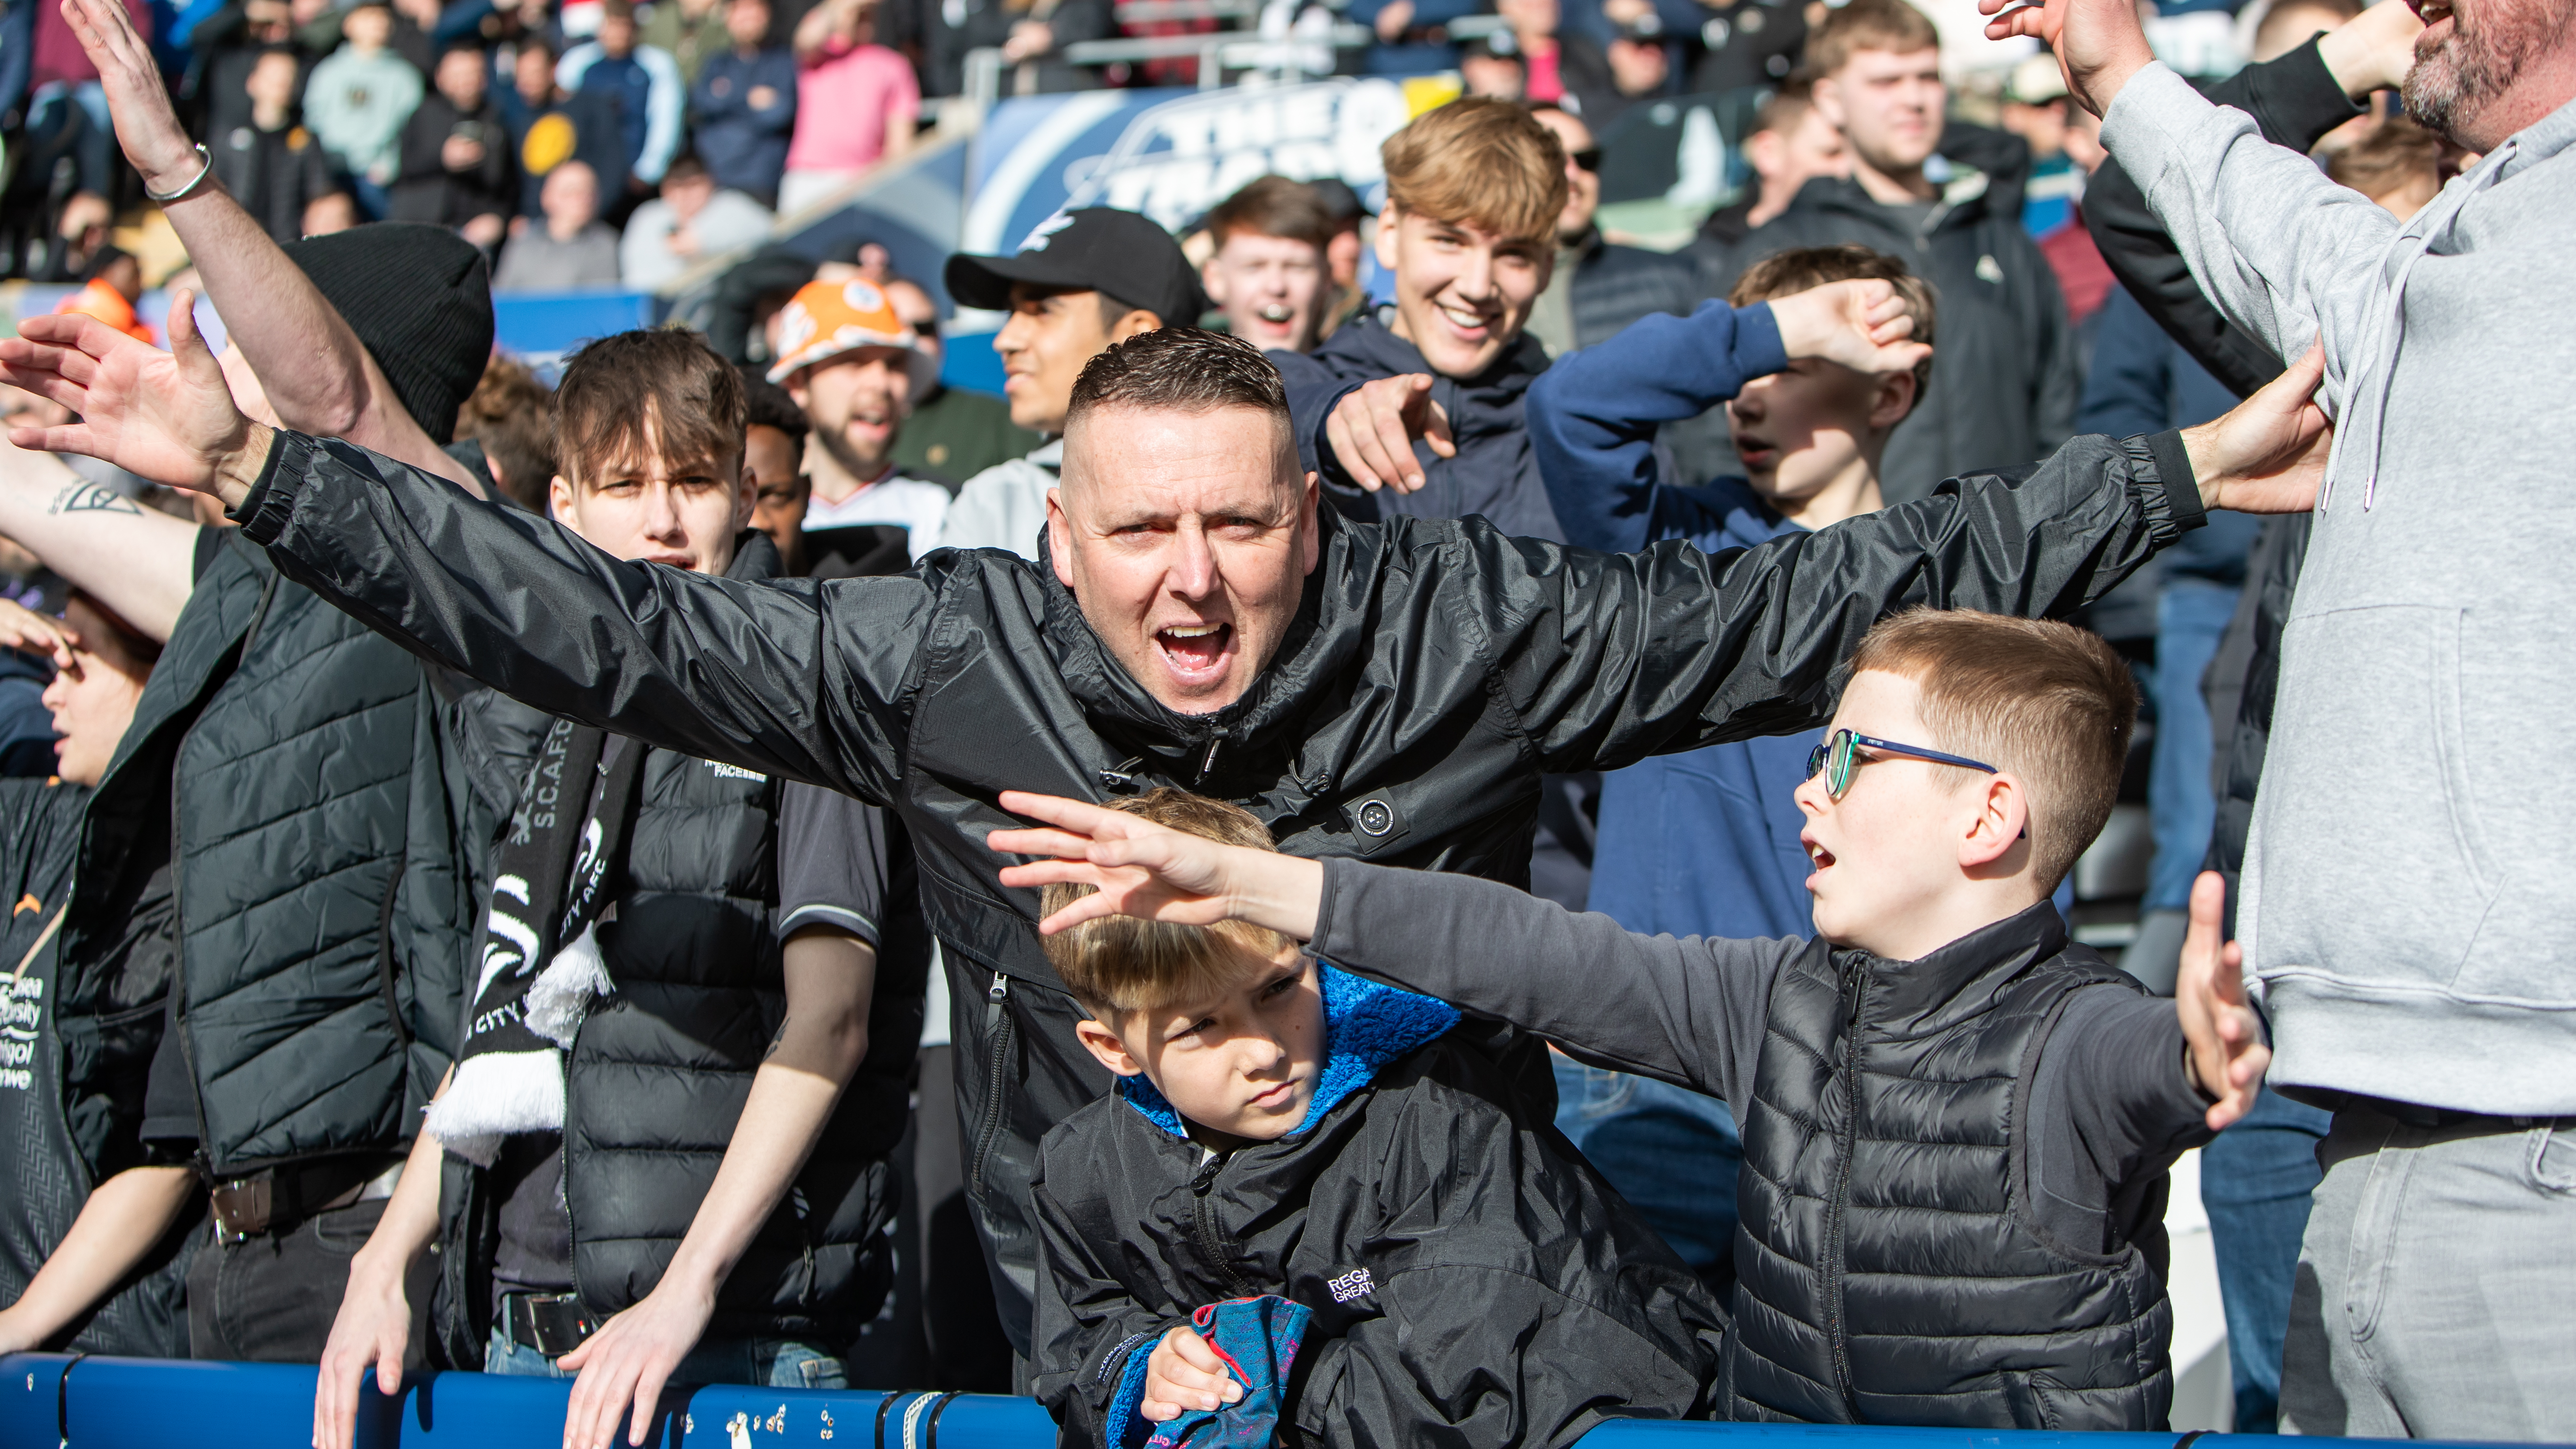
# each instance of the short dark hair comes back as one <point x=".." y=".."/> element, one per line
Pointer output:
<point x="669" y="374"/>
<point x="511" y="414"/>
<point x="1787" y="106"/>
<point x="771" y="407"/>
<point x="1273" y="206"/>
<point x="1799" y="268"/>
<point x="684" y="165"/>
<point x="2047" y="701"/>
<point x="1180" y="369"/>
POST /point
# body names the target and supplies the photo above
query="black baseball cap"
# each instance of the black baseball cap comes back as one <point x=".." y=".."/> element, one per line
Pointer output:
<point x="1094" y="249"/>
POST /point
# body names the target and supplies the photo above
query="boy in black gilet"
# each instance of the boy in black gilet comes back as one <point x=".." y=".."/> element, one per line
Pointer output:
<point x="1956" y="1123"/>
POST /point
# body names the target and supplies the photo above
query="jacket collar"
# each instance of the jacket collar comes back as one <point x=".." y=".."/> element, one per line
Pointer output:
<point x="1366" y="346"/>
<point x="1366" y="1026"/>
<point x="1959" y="980"/>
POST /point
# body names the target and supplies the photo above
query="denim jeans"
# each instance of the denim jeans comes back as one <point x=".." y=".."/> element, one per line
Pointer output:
<point x="1672" y="1154"/>
<point x="2255" y="1179"/>
<point x="2191" y="616"/>
<point x="765" y="1362"/>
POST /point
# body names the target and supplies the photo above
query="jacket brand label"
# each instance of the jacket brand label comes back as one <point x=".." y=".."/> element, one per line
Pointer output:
<point x="736" y="772"/>
<point x="1354" y="1284"/>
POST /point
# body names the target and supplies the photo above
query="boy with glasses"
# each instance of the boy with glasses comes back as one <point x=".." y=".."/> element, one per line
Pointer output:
<point x="1957" y="1123"/>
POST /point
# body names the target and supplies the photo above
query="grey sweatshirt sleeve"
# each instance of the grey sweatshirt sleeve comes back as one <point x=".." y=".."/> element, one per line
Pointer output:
<point x="2285" y="253"/>
<point x="2111" y="1107"/>
<point x="1686" y="1011"/>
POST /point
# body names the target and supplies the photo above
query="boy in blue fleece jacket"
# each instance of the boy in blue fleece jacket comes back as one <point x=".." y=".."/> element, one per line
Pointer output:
<point x="1705" y="843"/>
<point x="1315" y="1210"/>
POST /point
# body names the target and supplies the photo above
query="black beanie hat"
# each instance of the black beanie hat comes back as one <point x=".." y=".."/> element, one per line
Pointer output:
<point x="420" y="301"/>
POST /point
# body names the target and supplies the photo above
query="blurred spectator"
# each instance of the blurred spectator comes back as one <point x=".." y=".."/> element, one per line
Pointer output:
<point x="510" y="416"/>
<point x="651" y="97"/>
<point x="1492" y="68"/>
<point x="1748" y="43"/>
<point x="2396" y="163"/>
<point x="549" y="126"/>
<point x="2005" y="382"/>
<point x="952" y="434"/>
<point x="271" y="165"/>
<point x="358" y="99"/>
<point x="571" y="251"/>
<point x="456" y="165"/>
<point x="1791" y="142"/>
<point x="1637" y="66"/>
<point x="688" y="31"/>
<point x="1531" y="26"/>
<point x="1412" y="36"/>
<point x="852" y="365"/>
<point x="773" y="451"/>
<point x="1342" y="253"/>
<point x="415" y="33"/>
<point x="109" y="290"/>
<point x="66" y="113"/>
<point x="1032" y="35"/>
<point x="743" y="108"/>
<point x="332" y="211"/>
<point x="2065" y="145"/>
<point x="1598" y="288"/>
<point x="690" y="221"/>
<point x="1268" y="274"/>
<point x="226" y="46"/>
<point x="856" y="102"/>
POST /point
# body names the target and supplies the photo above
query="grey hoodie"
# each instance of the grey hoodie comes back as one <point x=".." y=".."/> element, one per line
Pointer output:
<point x="2409" y="903"/>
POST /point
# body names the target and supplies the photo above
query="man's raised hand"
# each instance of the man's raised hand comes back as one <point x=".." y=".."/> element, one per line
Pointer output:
<point x="146" y="125"/>
<point x="2268" y="453"/>
<point x="2099" y="43"/>
<point x="1152" y="872"/>
<point x="166" y="416"/>
<point x="1862" y="324"/>
<point x="1373" y="428"/>
<point x="2228" y="1054"/>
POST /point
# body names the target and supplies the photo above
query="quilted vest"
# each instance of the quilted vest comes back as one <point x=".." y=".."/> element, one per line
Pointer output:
<point x="1889" y="1269"/>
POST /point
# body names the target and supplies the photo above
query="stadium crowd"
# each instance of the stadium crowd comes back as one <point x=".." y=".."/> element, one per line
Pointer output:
<point x="1349" y="864"/>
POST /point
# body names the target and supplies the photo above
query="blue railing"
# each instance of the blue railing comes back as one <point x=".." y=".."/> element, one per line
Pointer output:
<point x="58" y="1401"/>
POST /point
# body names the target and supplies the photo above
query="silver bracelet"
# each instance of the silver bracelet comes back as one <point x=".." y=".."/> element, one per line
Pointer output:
<point x="164" y="198"/>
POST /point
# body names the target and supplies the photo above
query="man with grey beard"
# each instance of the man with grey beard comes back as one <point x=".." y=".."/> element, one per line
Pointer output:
<point x="2404" y="908"/>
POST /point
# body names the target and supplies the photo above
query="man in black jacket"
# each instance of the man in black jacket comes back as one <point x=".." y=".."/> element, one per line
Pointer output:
<point x="2005" y="383"/>
<point x="457" y="167"/>
<point x="1391" y="691"/>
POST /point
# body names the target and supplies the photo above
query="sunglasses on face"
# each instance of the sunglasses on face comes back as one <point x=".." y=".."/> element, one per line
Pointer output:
<point x="1839" y="758"/>
<point x="1587" y="159"/>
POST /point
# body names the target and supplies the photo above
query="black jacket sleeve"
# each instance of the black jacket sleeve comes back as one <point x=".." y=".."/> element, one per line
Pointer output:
<point x="1089" y="1328"/>
<point x="2294" y="100"/>
<point x="1686" y="1011"/>
<point x="1608" y="658"/>
<point x="804" y="679"/>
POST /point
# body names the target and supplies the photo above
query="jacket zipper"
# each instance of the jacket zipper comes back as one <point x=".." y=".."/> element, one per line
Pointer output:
<point x="997" y="1032"/>
<point x="1216" y="1250"/>
<point x="1207" y="761"/>
<point x="1838" y="1208"/>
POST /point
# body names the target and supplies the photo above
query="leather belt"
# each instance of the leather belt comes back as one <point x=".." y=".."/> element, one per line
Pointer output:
<point x="551" y="1323"/>
<point x="283" y="1198"/>
<point x="2434" y="1119"/>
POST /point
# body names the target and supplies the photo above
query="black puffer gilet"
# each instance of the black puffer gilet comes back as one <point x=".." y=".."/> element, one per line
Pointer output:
<point x="1889" y="1269"/>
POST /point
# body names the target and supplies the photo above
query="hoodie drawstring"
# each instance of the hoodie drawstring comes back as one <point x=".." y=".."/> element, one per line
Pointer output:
<point x="2382" y="367"/>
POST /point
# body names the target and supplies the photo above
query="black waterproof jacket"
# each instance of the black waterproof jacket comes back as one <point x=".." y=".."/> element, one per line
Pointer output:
<point x="1433" y="672"/>
<point x="321" y="915"/>
<point x="1473" y="1281"/>
<point x="2005" y="382"/>
<point x="1494" y="475"/>
<point x="93" y="1075"/>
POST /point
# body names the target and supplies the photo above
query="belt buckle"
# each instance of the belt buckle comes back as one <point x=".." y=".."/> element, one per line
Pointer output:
<point x="554" y="1322"/>
<point x="242" y="1208"/>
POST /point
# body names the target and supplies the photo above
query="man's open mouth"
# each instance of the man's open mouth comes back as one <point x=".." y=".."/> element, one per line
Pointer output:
<point x="1195" y="649"/>
<point x="1467" y="320"/>
<point x="1278" y="314"/>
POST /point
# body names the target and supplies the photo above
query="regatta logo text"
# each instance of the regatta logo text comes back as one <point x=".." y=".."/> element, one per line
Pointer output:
<point x="1354" y="1284"/>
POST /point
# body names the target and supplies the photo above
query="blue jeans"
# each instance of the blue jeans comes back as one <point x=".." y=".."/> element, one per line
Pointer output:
<point x="2255" y="1180"/>
<point x="764" y="1362"/>
<point x="2191" y="616"/>
<point x="1672" y="1154"/>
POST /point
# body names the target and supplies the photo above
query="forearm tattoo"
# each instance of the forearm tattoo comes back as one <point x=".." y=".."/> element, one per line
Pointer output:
<point x="92" y="498"/>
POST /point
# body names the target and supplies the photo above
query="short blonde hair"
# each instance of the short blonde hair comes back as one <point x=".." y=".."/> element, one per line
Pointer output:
<point x="1120" y="964"/>
<point x="2049" y="702"/>
<point x="1483" y="161"/>
<point x="1890" y="25"/>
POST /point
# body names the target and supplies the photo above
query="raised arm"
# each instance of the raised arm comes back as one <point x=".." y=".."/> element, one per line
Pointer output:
<point x="316" y="375"/>
<point x="136" y="560"/>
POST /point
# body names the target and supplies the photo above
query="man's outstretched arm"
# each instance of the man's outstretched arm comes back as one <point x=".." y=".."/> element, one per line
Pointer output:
<point x="317" y="376"/>
<point x="136" y="560"/>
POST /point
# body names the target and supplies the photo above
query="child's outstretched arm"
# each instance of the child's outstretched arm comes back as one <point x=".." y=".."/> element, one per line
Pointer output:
<point x="2228" y="1053"/>
<point x="1593" y="414"/>
<point x="1683" y="1011"/>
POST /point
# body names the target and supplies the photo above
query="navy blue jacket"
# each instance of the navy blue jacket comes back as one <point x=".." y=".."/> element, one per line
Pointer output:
<point x="744" y="146"/>
<point x="1494" y="474"/>
<point x="1703" y="843"/>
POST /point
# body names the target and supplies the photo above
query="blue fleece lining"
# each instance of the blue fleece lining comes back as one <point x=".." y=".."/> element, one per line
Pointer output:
<point x="1128" y="1427"/>
<point x="1366" y="1026"/>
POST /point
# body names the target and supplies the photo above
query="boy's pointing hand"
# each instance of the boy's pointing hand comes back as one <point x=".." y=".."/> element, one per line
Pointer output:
<point x="2227" y="1052"/>
<point x="1185" y="1374"/>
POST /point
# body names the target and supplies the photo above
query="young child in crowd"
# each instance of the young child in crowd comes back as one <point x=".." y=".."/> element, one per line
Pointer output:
<point x="1957" y="1123"/>
<point x="1311" y="1203"/>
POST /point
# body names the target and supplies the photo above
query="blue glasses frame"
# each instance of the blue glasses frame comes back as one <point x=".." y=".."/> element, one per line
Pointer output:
<point x="1838" y="756"/>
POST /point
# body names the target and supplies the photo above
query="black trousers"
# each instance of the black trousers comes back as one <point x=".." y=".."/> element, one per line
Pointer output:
<point x="271" y="1299"/>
